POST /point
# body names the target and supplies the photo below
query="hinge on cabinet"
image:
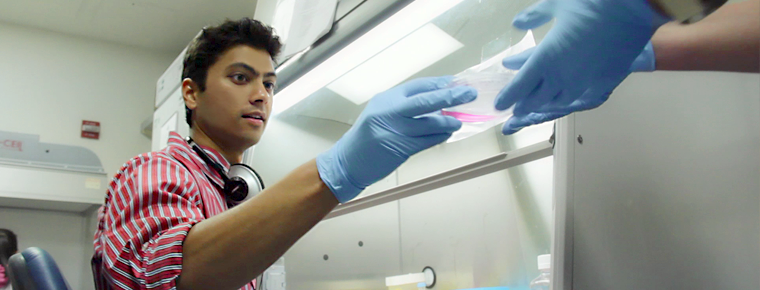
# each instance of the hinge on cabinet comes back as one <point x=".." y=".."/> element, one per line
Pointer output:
<point x="554" y="133"/>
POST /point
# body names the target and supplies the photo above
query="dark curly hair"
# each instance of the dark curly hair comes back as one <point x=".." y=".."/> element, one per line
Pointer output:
<point x="8" y="245"/>
<point x="212" y="42"/>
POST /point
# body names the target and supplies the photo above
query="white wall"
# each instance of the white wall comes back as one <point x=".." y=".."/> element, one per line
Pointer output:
<point x="66" y="236"/>
<point x="265" y="11"/>
<point x="49" y="83"/>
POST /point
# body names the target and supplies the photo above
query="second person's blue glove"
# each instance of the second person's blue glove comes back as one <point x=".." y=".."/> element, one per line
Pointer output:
<point x="582" y="59"/>
<point x="645" y="62"/>
<point x="395" y="124"/>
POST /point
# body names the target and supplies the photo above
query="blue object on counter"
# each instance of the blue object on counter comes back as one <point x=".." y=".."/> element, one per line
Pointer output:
<point x="487" y="288"/>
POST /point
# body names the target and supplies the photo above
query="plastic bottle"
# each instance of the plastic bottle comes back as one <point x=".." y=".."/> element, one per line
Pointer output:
<point x="543" y="280"/>
<point x="274" y="276"/>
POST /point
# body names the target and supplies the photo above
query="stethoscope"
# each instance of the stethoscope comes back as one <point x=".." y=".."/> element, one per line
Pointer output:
<point x="241" y="182"/>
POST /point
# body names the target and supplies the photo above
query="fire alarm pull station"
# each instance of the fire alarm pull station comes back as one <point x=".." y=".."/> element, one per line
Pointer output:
<point x="90" y="129"/>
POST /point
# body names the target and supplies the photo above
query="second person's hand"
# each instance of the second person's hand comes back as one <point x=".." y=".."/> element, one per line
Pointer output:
<point x="645" y="62"/>
<point x="583" y="58"/>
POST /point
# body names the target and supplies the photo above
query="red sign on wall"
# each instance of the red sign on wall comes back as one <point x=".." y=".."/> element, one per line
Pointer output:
<point x="90" y="129"/>
<point x="9" y="144"/>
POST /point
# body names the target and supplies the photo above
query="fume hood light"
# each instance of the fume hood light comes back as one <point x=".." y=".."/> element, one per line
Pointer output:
<point x="388" y="32"/>
<point x="408" y="56"/>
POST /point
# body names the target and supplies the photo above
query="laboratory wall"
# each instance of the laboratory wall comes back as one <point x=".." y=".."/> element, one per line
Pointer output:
<point x="67" y="236"/>
<point x="49" y="83"/>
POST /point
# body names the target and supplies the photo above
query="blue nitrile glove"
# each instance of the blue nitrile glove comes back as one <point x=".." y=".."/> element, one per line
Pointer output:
<point x="389" y="130"/>
<point x="582" y="59"/>
<point x="645" y="62"/>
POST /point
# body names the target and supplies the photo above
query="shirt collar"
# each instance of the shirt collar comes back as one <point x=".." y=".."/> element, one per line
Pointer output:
<point x="176" y="140"/>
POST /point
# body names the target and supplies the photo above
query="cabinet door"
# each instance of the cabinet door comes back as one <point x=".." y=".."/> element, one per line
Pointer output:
<point x="169" y="117"/>
<point x="667" y="185"/>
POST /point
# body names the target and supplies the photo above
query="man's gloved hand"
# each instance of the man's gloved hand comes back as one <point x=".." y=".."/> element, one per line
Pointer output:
<point x="389" y="130"/>
<point x="582" y="59"/>
<point x="645" y="62"/>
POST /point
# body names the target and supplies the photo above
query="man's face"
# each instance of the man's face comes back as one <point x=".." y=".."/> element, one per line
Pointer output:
<point x="235" y="107"/>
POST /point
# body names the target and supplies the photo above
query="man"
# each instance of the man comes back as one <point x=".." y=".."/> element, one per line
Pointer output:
<point x="165" y="223"/>
<point x="595" y="44"/>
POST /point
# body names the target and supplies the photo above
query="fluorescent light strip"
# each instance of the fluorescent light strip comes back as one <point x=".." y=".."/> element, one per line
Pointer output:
<point x="407" y="20"/>
<point x="416" y="51"/>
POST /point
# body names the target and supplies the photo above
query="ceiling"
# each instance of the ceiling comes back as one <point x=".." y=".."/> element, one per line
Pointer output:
<point x="162" y="25"/>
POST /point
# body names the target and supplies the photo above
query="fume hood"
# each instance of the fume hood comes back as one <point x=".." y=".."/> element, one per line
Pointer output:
<point x="622" y="199"/>
<point x="627" y="196"/>
<point x="477" y="211"/>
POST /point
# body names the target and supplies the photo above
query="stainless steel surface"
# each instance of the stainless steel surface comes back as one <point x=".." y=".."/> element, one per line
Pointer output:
<point x="478" y="168"/>
<point x="667" y="185"/>
<point x="562" y="238"/>
<point x="479" y="232"/>
<point x="347" y="266"/>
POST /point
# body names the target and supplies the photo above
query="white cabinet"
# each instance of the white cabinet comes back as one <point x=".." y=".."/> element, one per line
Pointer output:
<point x="170" y="116"/>
<point x="664" y="190"/>
<point x="170" y="79"/>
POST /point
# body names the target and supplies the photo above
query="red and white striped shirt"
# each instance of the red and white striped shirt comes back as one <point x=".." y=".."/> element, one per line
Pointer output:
<point x="150" y="206"/>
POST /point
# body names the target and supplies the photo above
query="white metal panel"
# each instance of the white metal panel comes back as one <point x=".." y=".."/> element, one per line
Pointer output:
<point x="666" y="187"/>
<point x="562" y="205"/>
<point x="170" y="80"/>
<point x="172" y="110"/>
<point x="475" y="169"/>
<point x="342" y="254"/>
<point x="52" y="185"/>
<point x="482" y="232"/>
